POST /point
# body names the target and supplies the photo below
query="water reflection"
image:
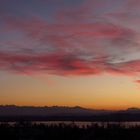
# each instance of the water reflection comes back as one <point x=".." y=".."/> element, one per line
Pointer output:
<point x="81" y="123"/>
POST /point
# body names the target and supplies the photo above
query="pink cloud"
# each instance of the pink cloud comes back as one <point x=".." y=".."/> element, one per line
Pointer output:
<point x="137" y="81"/>
<point x="64" y="64"/>
<point x="81" y="41"/>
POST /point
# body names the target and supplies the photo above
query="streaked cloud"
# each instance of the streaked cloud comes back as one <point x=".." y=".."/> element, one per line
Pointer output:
<point x="71" y="38"/>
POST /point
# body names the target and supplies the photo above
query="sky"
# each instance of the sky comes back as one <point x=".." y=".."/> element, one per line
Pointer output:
<point x="70" y="52"/>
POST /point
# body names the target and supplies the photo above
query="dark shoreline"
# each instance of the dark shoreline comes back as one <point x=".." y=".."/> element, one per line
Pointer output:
<point x="29" y="131"/>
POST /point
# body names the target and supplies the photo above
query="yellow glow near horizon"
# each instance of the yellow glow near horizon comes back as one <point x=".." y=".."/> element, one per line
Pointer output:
<point x="99" y="92"/>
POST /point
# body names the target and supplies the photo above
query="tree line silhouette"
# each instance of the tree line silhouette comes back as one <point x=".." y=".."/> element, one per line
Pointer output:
<point x="30" y="131"/>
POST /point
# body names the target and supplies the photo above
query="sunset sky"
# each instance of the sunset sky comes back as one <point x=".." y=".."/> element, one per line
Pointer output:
<point x="70" y="53"/>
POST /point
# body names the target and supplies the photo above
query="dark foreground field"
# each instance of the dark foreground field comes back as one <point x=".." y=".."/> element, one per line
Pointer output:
<point x="28" y="131"/>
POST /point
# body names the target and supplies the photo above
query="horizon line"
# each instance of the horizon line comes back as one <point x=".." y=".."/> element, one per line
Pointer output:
<point x="66" y="106"/>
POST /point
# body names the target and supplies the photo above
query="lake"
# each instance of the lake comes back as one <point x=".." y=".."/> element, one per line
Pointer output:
<point x="82" y="123"/>
<point x="86" y="123"/>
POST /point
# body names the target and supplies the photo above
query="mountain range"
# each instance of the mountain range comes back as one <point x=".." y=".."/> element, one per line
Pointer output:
<point x="13" y="112"/>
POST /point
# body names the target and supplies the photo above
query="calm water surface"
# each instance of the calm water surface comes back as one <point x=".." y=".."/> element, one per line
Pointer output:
<point x="83" y="123"/>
